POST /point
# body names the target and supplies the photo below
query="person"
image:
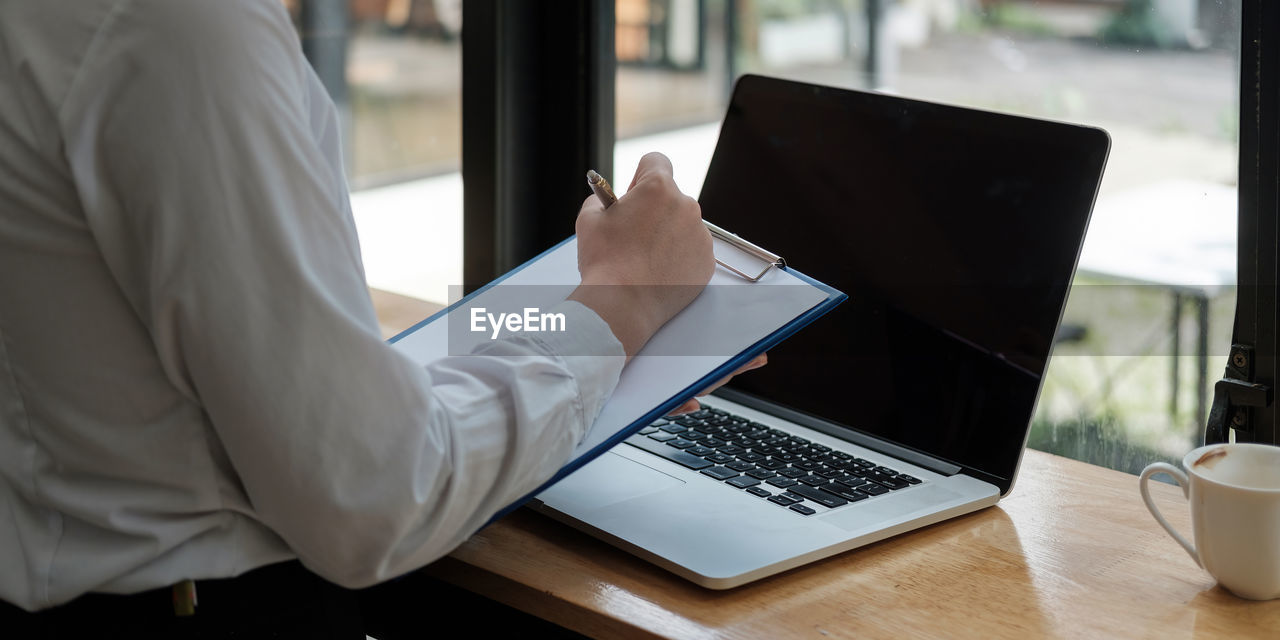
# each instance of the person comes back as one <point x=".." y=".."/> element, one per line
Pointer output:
<point x="192" y="382"/>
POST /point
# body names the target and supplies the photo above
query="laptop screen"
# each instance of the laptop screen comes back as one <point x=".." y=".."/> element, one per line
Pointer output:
<point x="955" y="233"/>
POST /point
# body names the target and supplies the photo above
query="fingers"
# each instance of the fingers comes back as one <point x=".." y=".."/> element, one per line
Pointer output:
<point x="693" y="404"/>
<point x="755" y="363"/>
<point x="590" y="205"/>
<point x="653" y="163"/>
<point x="687" y="407"/>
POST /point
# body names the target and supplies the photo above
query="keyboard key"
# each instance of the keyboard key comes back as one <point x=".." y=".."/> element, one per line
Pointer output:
<point x="893" y="483"/>
<point x="757" y="491"/>
<point x="780" y="482"/>
<point x="783" y="500"/>
<point x="819" y="496"/>
<point x="792" y="472"/>
<point x="674" y="428"/>
<point x="713" y="442"/>
<point x="852" y="495"/>
<point x="659" y="422"/>
<point x="909" y="479"/>
<point x="850" y="481"/>
<point x="742" y="482"/>
<point x="861" y="462"/>
<point x="829" y="474"/>
<point x="813" y="481"/>
<point x="836" y="463"/>
<point x="807" y="465"/>
<point x="648" y="430"/>
<point x="751" y="456"/>
<point x="820" y="447"/>
<point x="663" y="436"/>
<point x="694" y="435"/>
<point x="761" y="474"/>
<point x="787" y="457"/>
<point x="873" y="489"/>
<point x="887" y="471"/>
<point x="842" y="455"/>
<point x="675" y="455"/>
<point x="719" y="458"/>
<point x="700" y="450"/>
<point x="732" y="449"/>
<point x="720" y="473"/>
<point x="771" y="464"/>
<point x="799" y="508"/>
<point x="740" y="465"/>
<point x="679" y="443"/>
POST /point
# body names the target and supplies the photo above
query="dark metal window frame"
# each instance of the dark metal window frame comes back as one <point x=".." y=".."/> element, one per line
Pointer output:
<point x="537" y="112"/>
<point x="1243" y="397"/>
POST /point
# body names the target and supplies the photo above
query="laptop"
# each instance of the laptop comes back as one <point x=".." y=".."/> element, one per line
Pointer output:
<point x="955" y="233"/>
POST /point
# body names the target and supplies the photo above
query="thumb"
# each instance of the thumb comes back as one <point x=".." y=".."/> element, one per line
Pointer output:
<point x="652" y="163"/>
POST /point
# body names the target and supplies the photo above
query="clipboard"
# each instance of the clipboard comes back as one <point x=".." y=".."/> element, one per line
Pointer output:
<point x="766" y="302"/>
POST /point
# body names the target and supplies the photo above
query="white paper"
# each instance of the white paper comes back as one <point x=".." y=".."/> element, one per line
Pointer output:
<point x="717" y="326"/>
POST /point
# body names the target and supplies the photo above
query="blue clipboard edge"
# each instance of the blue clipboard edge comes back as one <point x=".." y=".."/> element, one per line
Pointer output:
<point x="445" y="311"/>
<point x="834" y="298"/>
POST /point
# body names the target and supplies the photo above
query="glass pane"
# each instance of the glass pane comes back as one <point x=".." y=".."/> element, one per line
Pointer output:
<point x="1148" y="322"/>
<point x="394" y="68"/>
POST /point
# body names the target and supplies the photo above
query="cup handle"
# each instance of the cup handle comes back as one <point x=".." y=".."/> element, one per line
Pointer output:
<point x="1178" y="477"/>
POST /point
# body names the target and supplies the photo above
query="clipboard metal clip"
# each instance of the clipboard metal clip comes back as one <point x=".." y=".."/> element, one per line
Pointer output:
<point x="770" y="258"/>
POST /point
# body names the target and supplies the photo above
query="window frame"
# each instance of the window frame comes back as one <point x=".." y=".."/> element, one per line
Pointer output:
<point x="537" y="112"/>
<point x="1243" y="397"/>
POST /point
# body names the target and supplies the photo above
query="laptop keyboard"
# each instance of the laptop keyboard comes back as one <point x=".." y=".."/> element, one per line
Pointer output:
<point x="769" y="463"/>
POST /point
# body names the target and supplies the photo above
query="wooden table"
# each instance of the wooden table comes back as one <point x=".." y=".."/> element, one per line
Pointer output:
<point x="1071" y="553"/>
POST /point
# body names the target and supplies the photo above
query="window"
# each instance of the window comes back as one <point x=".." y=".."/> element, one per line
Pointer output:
<point x="394" y="68"/>
<point x="1148" y="323"/>
<point x="1150" y="313"/>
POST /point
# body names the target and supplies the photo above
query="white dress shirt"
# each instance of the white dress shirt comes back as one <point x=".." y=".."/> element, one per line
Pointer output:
<point x="192" y="383"/>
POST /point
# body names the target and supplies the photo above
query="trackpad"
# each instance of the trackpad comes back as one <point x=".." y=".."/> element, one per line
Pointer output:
<point x="606" y="480"/>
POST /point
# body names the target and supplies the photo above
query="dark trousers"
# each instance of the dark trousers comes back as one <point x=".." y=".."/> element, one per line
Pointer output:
<point x="282" y="601"/>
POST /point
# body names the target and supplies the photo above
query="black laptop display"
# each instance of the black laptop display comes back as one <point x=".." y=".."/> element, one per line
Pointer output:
<point x="954" y="234"/>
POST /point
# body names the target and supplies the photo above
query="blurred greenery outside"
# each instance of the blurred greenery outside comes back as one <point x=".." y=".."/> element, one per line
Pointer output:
<point x="1106" y="398"/>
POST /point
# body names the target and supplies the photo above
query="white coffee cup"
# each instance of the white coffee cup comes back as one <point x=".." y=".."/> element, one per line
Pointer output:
<point x="1234" y="490"/>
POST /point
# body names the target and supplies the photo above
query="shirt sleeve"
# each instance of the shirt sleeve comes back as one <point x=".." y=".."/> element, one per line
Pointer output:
<point x="204" y="154"/>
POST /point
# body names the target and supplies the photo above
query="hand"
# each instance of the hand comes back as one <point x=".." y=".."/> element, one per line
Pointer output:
<point x="693" y="404"/>
<point x="645" y="258"/>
